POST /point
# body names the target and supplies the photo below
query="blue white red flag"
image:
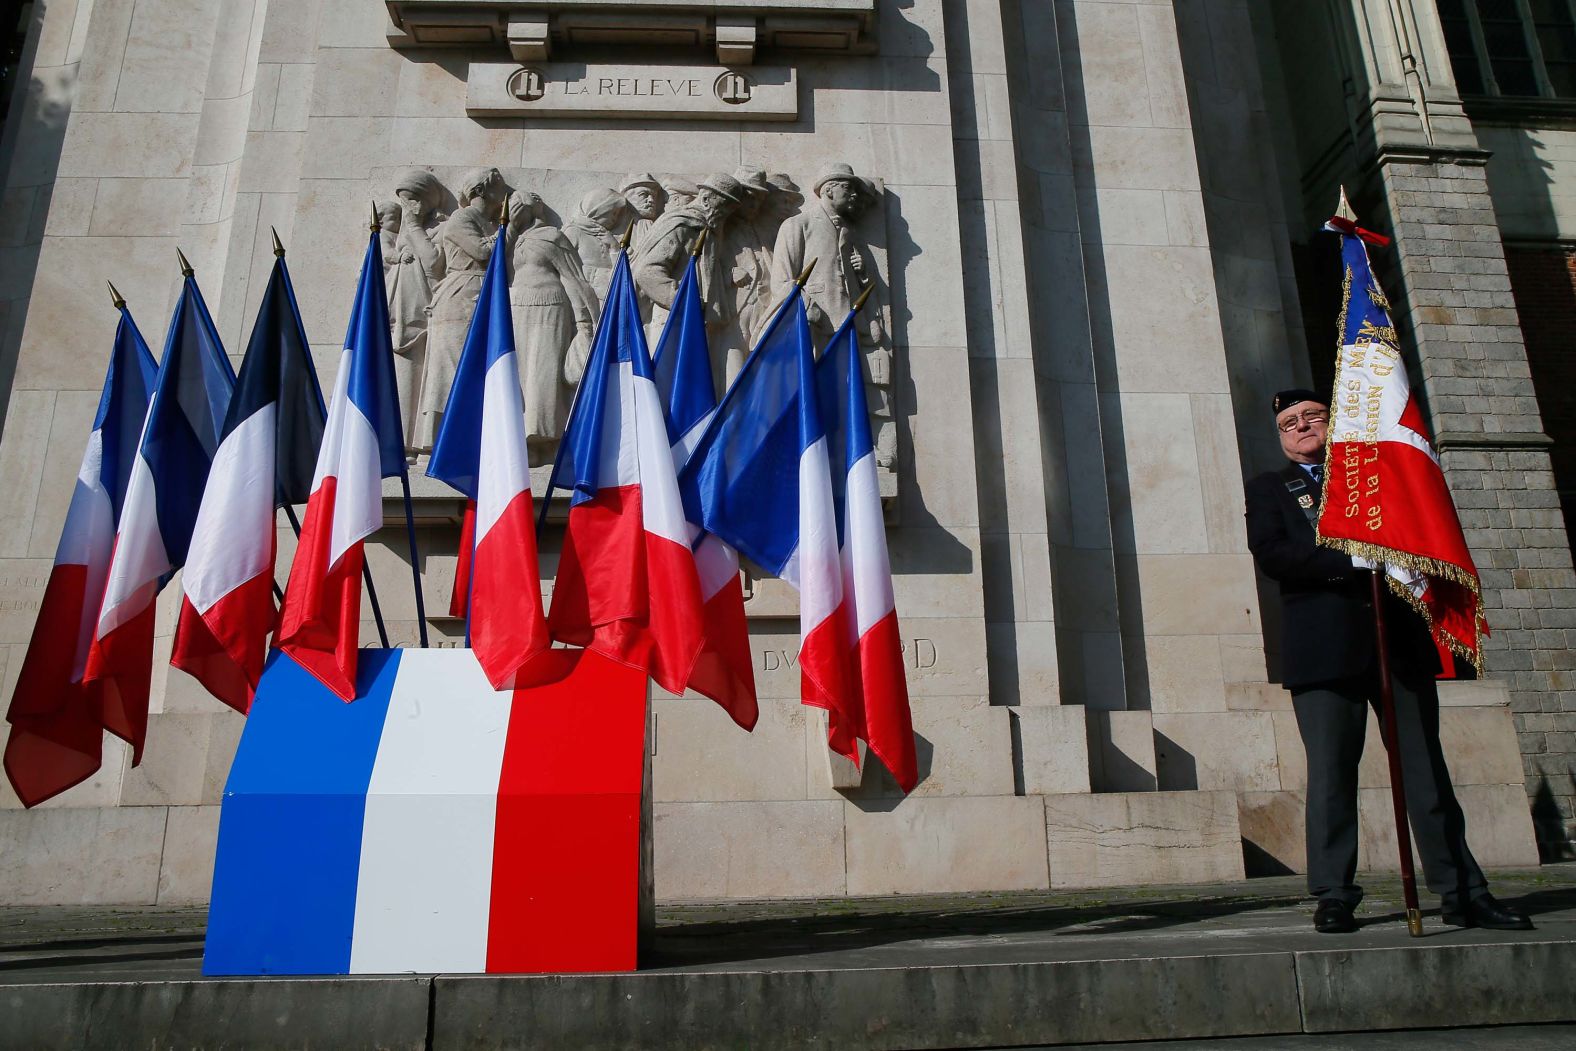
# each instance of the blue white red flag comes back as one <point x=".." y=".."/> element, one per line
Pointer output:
<point x="626" y="586"/>
<point x="682" y="367"/>
<point x="320" y="620"/>
<point x="878" y="686"/>
<point x="57" y="735"/>
<point x="168" y="474"/>
<point x="267" y="449"/>
<point x="760" y="478"/>
<point x="480" y="449"/>
<point x="434" y="825"/>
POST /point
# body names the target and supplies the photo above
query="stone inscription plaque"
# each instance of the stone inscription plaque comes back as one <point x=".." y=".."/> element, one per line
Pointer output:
<point x="576" y="89"/>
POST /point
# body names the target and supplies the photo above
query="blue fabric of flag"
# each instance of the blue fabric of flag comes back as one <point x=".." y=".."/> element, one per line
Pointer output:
<point x="681" y="364"/>
<point x="278" y="370"/>
<point x="128" y="385"/>
<point x="845" y="413"/>
<point x="294" y="808"/>
<point x="457" y="449"/>
<point x="620" y="337"/>
<point x="372" y="388"/>
<point x="182" y="431"/>
<point x="742" y="480"/>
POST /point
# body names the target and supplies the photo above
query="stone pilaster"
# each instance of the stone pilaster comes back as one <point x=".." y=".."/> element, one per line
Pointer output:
<point x="1453" y="298"/>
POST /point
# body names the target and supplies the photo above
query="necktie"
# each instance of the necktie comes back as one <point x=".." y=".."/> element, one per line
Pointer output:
<point x="1317" y="470"/>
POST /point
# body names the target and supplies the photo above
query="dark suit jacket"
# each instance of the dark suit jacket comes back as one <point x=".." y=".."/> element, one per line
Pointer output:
<point x="1327" y="619"/>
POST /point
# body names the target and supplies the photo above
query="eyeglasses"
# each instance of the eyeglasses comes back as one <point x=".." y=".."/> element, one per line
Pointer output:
<point x="1308" y="416"/>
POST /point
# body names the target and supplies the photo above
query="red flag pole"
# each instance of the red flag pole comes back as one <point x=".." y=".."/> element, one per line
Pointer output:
<point x="1387" y="726"/>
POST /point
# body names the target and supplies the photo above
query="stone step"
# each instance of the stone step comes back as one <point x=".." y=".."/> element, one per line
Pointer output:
<point x="765" y="1006"/>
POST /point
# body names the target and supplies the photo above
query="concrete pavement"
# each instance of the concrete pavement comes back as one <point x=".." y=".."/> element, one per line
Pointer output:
<point x="982" y="970"/>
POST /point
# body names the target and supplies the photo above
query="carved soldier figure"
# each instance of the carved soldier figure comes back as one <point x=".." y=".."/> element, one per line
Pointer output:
<point x="412" y="267"/>
<point x="466" y="241"/>
<point x="660" y="262"/>
<point x="679" y="191"/>
<point x="554" y="312"/>
<point x="825" y="231"/>
<point x="746" y="261"/>
<point x="590" y="231"/>
<point x="645" y="198"/>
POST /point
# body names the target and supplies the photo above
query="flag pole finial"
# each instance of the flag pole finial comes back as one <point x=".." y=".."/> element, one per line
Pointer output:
<point x="700" y="242"/>
<point x="805" y="276"/>
<point x="1344" y="208"/>
<point x="375" y="225"/>
<point x="279" y="246"/>
<point x="869" y="288"/>
<point x="186" y="267"/>
<point x="629" y="232"/>
<point x="115" y="297"/>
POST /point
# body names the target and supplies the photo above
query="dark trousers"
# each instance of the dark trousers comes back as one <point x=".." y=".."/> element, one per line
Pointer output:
<point x="1332" y="718"/>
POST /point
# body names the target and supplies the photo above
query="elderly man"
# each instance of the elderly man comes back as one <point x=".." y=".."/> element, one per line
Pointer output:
<point x="658" y="265"/>
<point x="645" y="197"/>
<point x="1330" y="664"/>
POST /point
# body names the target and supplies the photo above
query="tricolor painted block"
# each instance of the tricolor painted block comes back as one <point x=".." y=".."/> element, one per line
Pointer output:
<point x="433" y="824"/>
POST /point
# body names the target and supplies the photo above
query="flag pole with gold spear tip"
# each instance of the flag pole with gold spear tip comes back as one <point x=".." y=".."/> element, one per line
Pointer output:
<point x="410" y="512"/>
<point x="290" y="515"/>
<point x="1387" y="721"/>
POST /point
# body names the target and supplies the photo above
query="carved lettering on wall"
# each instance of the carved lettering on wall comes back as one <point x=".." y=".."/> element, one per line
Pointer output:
<point x="575" y="89"/>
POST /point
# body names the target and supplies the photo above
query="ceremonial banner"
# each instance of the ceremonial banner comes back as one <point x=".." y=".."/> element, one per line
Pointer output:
<point x="265" y="461"/>
<point x="163" y="494"/>
<point x="363" y="443"/>
<point x="57" y="731"/>
<point x="682" y="370"/>
<point x="435" y="825"/>
<point x="1385" y="497"/>
<point x="481" y="451"/>
<point x="626" y="586"/>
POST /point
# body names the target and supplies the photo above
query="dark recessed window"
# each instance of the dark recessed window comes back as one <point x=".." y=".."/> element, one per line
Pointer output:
<point x="1512" y="48"/>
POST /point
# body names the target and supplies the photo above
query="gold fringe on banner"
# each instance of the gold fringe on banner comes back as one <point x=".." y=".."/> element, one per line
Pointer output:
<point x="1377" y="553"/>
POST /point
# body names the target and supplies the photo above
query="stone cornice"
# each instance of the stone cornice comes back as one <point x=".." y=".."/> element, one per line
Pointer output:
<point x="534" y="30"/>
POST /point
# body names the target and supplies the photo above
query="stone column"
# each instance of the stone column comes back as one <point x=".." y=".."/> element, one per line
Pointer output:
<point x="1446" y="275"/>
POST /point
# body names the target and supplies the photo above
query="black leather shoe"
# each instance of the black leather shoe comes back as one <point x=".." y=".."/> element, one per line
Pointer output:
<point x="1484" y="911"/>
<point x="1333" y="916"/>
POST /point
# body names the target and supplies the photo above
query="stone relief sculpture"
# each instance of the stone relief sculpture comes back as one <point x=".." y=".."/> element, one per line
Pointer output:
<point x="762" y="232"/>
<point x="660" y="262"/>
<point x="645" y="197"/>
<point x="590" y="231"/>
<point x="746" y="261"/>
<point x="554" y="309"/>
<point x="412" y="268"/>
<point x="825" y="231"/>
<point x="465" y="240"/>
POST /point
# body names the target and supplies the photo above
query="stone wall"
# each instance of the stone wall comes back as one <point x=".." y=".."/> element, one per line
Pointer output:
<point x="1078" y="608"/>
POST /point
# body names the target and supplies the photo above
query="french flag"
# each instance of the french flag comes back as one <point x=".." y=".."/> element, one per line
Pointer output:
<point x="57" y="734"/>
<point x="682" y="367"/>
<point x="178" y="443"/>
<point x="760" y="478"/>
<point x="626" y="586"/>
<point x="480" y="450"/>
<point x="320" y="618"/>
<point x="434" y="825"/>
<point x="877" y="684"/>
<point x="265" y="461"/>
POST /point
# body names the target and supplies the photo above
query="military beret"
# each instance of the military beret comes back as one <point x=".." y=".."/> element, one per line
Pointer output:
<point x="1287" y="398"/>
